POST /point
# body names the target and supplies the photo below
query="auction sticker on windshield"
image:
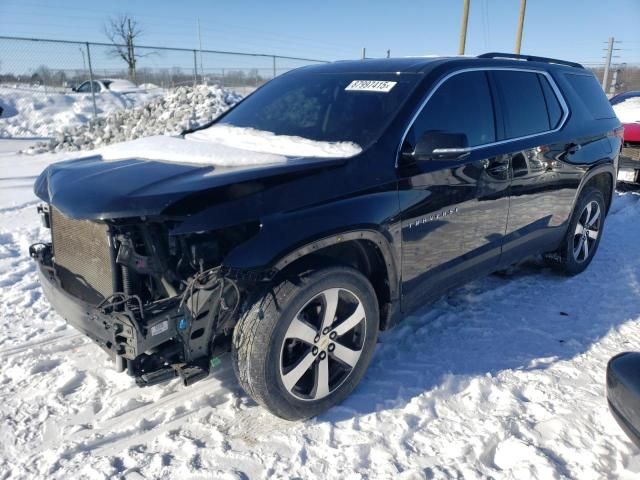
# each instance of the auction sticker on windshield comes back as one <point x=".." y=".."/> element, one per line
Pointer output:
<point x="370" y="86"/>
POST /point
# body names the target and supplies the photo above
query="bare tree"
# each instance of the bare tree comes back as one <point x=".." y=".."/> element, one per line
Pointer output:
<point x="122" y="32"/>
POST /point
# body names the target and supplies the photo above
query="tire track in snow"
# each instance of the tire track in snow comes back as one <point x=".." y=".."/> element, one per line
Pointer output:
<point x="22" y="206"/>
<point x="139" y="424"/>
<point x="10" y="351"/>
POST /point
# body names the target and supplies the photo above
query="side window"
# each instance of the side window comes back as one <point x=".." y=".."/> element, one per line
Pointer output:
<point x="553" y="105"/>
<point x="461" y="105"/>
<point x="523" y="103"/>
<point x="591" y="94"/>
<point x="84" y="88"/>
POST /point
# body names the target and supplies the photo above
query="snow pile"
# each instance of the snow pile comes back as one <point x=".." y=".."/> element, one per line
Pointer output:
<point x="29" y="114"/>
<point x="269" y="142"/>
<point x="177" y="149"/>
<point x="629" y="110"/>
<point x="182" y="108"/>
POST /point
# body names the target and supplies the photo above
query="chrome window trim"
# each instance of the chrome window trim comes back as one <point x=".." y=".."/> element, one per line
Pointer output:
<point x="552" y="83"/>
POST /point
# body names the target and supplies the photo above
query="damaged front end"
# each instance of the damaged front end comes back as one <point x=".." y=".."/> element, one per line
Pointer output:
<point x="161" y="305"/>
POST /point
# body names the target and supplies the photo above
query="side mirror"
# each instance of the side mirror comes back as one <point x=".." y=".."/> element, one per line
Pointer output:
<point x="74" y="89"/>
<point x="623" y="392"/>
<point x="434" y="145"/>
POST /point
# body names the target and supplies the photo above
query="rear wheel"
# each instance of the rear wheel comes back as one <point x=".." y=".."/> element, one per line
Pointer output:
<point x="584" y="232"/>
<point x="306" y="344"/>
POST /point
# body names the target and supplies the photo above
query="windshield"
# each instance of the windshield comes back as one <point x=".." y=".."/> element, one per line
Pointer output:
<point x="321" y="107"/>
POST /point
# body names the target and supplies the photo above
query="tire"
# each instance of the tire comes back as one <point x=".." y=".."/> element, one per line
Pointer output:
<point x="568" y="261"/>
<point x="284" y="336"/>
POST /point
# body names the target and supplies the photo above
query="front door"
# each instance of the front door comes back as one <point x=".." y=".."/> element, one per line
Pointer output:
<point x="454" y="211"/>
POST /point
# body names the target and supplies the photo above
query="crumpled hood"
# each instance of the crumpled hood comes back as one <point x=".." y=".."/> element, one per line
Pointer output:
<point x="92" y="188"/>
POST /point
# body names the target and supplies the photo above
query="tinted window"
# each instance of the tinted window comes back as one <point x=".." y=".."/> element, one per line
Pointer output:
<point x="84" y="88"/>
<point x="553" y="105"/>
<point x="523" y="103"/>
<point x="591" y="95"/>
<point x="318" y="106"/>
<point x="462" y="105"/>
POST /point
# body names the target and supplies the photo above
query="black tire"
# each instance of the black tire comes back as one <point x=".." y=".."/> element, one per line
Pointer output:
<point x="566" y="260"/>
<point x="260" y="339"/>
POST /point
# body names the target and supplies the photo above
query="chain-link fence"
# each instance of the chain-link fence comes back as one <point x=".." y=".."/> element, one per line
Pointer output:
<point x="43" y="67"/>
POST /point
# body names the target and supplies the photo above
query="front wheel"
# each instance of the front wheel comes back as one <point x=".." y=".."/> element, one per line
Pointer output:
<point x="304" y="346"/>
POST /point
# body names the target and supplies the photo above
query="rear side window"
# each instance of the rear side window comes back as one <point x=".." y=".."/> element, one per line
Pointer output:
<point x="523" y="103"/>
<point x="553" y="105"/>
<point x="461" y="105"/>
<point x="591" y="95"/>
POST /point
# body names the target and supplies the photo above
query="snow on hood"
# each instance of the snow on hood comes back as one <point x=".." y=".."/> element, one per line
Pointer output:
<point x="177" y="149"/>
<point x="629" y="110"/>
<point x="268" y="142"/>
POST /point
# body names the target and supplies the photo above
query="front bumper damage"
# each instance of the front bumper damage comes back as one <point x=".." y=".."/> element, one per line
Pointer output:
<point x="153" y="342"/>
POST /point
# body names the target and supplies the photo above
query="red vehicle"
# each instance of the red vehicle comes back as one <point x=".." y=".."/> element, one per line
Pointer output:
<point x="627" y="108"/>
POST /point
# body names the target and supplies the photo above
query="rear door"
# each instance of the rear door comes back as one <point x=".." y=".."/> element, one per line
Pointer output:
<point x="543" y="185"/>
<point x="454" y="212"/>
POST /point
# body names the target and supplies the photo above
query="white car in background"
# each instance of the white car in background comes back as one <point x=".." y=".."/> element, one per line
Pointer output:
<point x="108" y="85"/>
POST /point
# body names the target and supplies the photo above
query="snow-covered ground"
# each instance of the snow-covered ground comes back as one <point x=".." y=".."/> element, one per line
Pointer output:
<point x="502" y="379"/>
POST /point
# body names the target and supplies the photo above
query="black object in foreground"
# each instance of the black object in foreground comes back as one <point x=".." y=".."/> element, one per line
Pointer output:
<point x="623" y="392"/>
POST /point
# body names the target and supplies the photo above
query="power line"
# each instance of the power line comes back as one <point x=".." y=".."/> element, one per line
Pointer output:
<point x="164" y="20"/>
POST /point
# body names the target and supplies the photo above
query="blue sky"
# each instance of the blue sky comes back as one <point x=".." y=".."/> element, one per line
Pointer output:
<point x="329" y="29"/>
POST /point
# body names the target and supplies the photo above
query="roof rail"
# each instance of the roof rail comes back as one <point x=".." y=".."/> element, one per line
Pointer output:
<point x="530" y="58"/>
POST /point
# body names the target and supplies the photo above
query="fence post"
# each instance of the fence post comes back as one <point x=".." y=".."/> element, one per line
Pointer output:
<point x="274" y="66"/>
<point x="93" y="94"/>
<point x="195" y="68"/>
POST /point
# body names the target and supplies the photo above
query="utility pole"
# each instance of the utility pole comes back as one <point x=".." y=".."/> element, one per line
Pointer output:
<point x="523" y="7"/>
<point x="614" y="81"/>
<point x="84" y="64"/>
<point x="463" y="29"/>
<point x="607" y="64"/>
<point x="200" y="42"/>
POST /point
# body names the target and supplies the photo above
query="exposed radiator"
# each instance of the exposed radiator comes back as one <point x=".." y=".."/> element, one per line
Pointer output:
<point x="82" y="256"/>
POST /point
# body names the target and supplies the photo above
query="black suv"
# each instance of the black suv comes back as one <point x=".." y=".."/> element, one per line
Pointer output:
<point x="431" y="172"/>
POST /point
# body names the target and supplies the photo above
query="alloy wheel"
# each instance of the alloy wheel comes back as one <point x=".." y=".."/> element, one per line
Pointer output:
<point x="323" y="344"/>
<point x="587" y="231"/>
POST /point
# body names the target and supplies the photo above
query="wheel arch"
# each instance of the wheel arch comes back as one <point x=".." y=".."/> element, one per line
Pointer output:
<point x="602" y="178"/>
<point x="368" y="251"/>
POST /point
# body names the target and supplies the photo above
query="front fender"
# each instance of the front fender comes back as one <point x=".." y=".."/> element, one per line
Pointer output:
<point x="287" y="236"/>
